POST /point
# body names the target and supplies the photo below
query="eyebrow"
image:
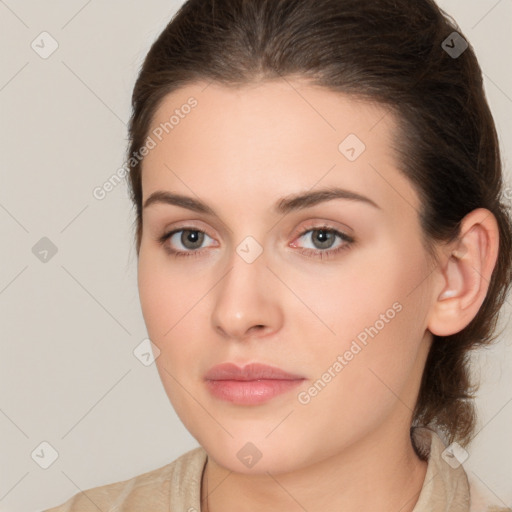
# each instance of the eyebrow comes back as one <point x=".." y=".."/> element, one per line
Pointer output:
<point x="285" y="205"/>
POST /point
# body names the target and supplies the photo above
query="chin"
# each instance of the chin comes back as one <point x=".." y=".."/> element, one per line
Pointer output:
<point x="273" y="462"/>
<point x="253" y="455"/>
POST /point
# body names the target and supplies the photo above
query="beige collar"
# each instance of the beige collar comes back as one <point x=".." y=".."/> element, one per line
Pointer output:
<point x="445" y="489"/>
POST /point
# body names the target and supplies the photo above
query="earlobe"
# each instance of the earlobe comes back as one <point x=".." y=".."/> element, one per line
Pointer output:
<point x="464" y="274"/>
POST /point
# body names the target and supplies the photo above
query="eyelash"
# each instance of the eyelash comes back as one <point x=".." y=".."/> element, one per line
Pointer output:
<point x="329" y="253"/>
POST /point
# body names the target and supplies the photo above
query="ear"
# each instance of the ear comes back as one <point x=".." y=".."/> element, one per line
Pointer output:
<point x="462" y="278"/>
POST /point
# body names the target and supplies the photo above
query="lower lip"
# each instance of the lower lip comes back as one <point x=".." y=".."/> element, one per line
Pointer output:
<point x="250" y="392"/>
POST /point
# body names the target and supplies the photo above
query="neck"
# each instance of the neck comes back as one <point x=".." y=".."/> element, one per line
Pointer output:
<point x="380" y="472"/>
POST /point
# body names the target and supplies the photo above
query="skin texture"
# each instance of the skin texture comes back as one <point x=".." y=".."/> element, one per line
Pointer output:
<point x="240" y="151"/>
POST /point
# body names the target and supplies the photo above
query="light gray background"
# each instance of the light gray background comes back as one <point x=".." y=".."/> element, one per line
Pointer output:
<point x="68" y="375"/>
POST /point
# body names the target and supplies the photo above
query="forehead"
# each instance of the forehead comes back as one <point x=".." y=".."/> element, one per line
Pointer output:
<point x="278" y="136"/>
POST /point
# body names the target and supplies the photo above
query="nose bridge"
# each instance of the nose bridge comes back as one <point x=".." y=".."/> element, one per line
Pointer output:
<point x="243" y="300"/>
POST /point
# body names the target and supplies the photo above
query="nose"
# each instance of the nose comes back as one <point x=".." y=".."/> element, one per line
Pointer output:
<point x="247" y="301"/>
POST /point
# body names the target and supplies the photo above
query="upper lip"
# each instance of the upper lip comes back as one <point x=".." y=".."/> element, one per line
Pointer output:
<point x="252" y="371"/>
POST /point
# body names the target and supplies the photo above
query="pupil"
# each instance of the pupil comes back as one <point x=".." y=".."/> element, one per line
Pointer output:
<point x="191" y="237"/>
<point x="326" y="236"/>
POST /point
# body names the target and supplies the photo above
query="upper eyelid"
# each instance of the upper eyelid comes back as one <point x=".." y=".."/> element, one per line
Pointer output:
<point x="315" y="223"/>
<point x="186" y="225"/>
<point x="339" y="233"/>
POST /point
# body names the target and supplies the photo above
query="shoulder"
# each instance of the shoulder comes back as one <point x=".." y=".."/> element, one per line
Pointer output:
<point x="482" y="499"/>
<point x="447" y="482"/>
<point x="153" y="490"/>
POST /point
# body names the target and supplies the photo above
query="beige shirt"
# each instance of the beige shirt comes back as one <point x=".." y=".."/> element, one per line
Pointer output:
<point x="176" y="487"/>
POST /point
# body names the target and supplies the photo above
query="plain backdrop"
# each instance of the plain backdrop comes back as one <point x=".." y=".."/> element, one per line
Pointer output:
<point x="69" y="324"/>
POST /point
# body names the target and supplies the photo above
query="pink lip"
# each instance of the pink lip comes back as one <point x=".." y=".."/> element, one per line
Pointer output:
<point x="253" y="371"/>
<point x="253" y="384"/>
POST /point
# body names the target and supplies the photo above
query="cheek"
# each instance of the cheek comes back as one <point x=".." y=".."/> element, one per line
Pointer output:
<point x="167" y="300"/>
<point x="165" y="295"/>
<point x="341" y="302"/>
<point x="171" y="306"/>
<point x="375" y="310"/>
<point x="155" y="295"/>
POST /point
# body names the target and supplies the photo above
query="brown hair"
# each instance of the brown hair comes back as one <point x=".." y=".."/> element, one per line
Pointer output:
<point x="385" y="51"/>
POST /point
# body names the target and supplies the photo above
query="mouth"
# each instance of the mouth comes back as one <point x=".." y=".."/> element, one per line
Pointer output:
<point x="253" y="384"/>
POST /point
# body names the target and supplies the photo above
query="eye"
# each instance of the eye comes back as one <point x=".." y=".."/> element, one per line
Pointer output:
<point x="326" y="236"/>
<point x="191" y="239"/>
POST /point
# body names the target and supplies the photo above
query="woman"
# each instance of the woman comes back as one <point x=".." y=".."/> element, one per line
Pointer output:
<point x="321" y="242"/>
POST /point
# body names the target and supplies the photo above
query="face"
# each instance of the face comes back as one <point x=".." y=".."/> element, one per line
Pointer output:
<point x="333" y="290"/>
